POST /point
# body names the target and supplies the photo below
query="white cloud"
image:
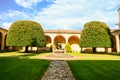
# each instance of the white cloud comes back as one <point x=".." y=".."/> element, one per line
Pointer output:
<point x="69" y="14"/>
<point x="14" y="15"/>
<point x="65" y="14"/>
<point x="27" y="3"/>
<point x="10" y="16"/>
<point x="6" y="25"/>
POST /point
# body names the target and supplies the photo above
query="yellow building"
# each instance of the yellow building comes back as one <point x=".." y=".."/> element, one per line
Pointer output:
<point x="66" y="36"/>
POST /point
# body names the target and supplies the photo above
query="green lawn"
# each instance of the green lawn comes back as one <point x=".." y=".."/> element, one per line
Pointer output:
<point x="96" y="56"/>
<point x="95" y="66"/>
<point x="20" y="67"/>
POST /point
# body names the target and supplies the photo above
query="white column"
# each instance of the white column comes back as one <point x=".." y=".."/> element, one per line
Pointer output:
<point x="52" y="40"/>
<point x="66" y="40"/>
<point x="109" y="50"/>
<point x="117" y="43"/>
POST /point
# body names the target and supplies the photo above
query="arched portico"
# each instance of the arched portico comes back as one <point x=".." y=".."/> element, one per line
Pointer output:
<point x="59" y="40"/>
<point x="48" y="40"/>
<point x="62" y="37"/>
<point x="116" y="40"/>
<point x="3" y="33"/>
<point x="0" y="40"/>
<point x="114" y="44"/>
<point x="74" y="42"/>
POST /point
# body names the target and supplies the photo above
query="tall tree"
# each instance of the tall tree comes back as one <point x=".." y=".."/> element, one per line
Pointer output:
<point x="25" y="33"/>
<point x="96" y="34"/>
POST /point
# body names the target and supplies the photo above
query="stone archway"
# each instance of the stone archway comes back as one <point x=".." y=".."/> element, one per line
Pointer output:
<point x="74" y="42"/>
<point x="114" y="44"/>
<point x="59" y="41"/>
<point x="48" y="40"/>
<point x="0" y="40"/>
<point x="6" y="47"/>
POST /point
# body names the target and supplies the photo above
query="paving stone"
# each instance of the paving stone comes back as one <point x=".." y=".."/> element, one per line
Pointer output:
<point x="58" y="70"/>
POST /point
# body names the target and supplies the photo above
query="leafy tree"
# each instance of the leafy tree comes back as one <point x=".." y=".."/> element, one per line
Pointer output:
<point x="25" y="33"/>
<point x="96" y="34"/>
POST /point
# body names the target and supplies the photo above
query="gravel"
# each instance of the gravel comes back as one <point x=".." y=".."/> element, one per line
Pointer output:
<point x="58" y="70"/>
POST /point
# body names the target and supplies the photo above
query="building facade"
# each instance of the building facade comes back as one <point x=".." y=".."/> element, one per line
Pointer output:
<point x="53" y="37"/>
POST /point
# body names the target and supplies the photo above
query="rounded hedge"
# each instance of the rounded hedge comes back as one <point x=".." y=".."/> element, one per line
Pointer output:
<point x="25" y="33"/>
<point x="96" y="34"/>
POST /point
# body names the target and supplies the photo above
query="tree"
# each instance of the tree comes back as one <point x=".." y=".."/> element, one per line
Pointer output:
<point x="25" y="33"/>
<point x="96" y="34"/>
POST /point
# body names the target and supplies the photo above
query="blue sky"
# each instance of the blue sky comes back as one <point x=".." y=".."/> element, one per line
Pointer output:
<point x="59" y="14"/>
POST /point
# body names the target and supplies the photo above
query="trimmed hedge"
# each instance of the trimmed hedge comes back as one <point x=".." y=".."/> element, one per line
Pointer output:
<point x="25" y="33"/>
<point x="96" y="34"/>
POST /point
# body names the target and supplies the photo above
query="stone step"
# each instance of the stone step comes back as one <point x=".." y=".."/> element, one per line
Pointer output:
<point x="59" y="51"/>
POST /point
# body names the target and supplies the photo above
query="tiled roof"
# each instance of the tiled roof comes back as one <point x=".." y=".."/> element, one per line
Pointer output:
<point x="3" y="29"/>
<point x="63" y="31"/>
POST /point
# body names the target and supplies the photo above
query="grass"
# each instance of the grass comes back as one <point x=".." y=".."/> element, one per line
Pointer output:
<point x="95" y="69"/>
<point x="95" y="66"/>
<point x="17" y="66"/>
<point x="89" y="56"/>
<point x="23" y="54"/>
<point x="21" y="66"/>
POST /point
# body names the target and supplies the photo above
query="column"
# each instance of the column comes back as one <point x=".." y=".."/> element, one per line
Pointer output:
<point x="66" y="40"/>
<point x="3" y="42"/>
<point x="117" y="43"/>
<point x="109" y="50"/>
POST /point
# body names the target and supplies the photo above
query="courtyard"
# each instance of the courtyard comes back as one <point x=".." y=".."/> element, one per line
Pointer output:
<point x="59" y="40"/>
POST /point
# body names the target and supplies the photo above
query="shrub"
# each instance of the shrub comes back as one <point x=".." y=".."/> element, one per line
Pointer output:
<point x="96" y="34"/>
<point x="25" y="33"/>
<point x="68" y="48"/>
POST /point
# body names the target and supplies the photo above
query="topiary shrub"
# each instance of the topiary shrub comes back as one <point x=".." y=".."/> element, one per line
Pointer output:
<point x="25" y="33"/>
<point x="68" y="48"/>
<point x="96" y="34"/>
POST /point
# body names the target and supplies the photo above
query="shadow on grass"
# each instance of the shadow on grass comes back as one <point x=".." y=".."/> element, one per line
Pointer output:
<point x="115" y="54"/>
<point x="95" y="69"/>
<point x="16" y="68"/>
<point x="4" y="51"/>
<point x="32" y="54"/>
<point x="28" y="54"/>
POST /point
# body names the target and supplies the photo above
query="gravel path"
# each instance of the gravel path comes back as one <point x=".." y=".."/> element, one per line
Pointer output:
<point x="59" y="56"/>
<point x="58" y="70"/>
